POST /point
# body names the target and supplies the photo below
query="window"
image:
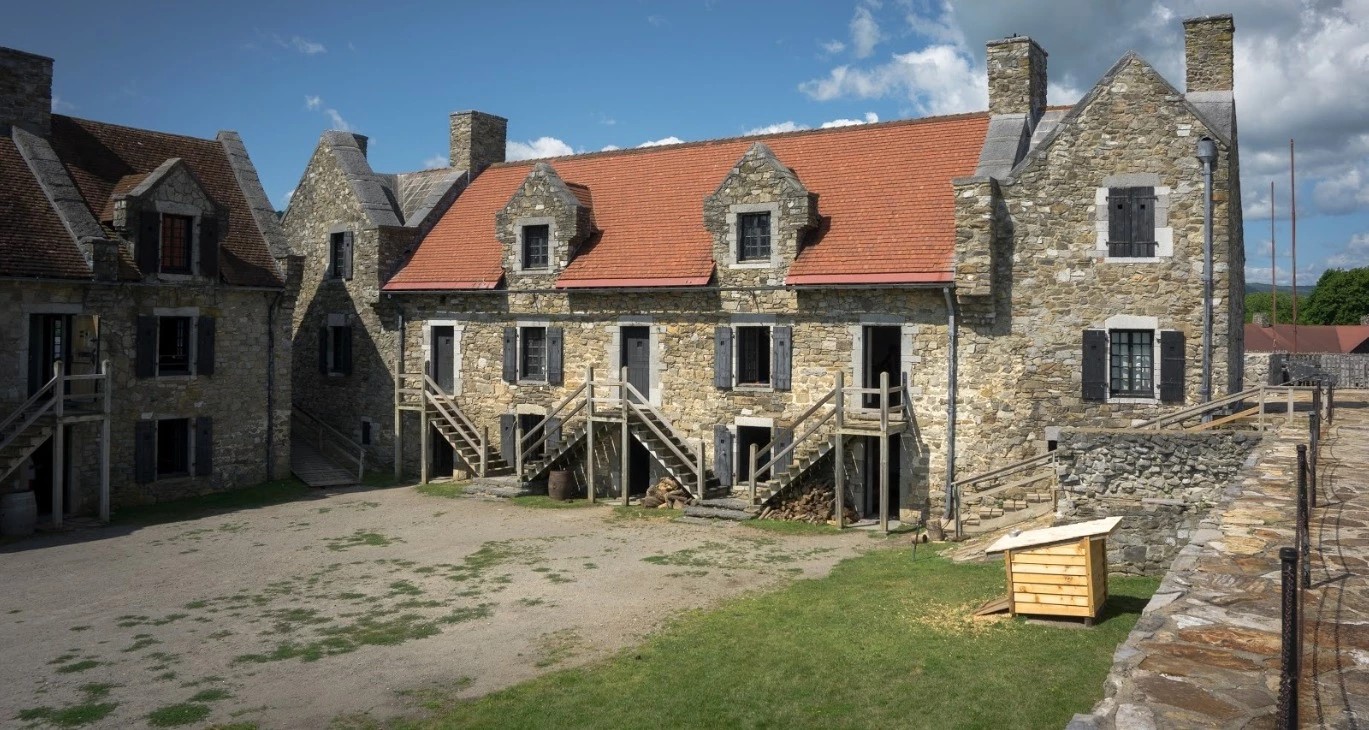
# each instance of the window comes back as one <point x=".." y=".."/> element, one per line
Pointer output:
<point x="1131" y="222"/>
<point x="176" y="232"/>
<point x="173" y="345"/>
<point x="365" y="433"/>
<point x="536" y="249"/>
<point x="1132" y="355"/>
<point x="753" y="356"/>
<point x="339" y="350"/>
<point x="337" y="255"/>
<point x="533" y="361"/>
<point x="755" y="236"/>
<point x="173" y="447"/>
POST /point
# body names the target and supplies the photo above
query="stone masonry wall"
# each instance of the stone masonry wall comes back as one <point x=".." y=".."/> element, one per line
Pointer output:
<point x="1162" y="483"/>
<point x="758" y="183"/>
<point x="25" y="91"/>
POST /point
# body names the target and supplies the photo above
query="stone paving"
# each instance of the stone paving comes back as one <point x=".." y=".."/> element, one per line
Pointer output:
<point x="1206" y="650"/>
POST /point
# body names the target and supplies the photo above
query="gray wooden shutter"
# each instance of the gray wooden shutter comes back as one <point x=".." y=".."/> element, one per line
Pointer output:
<point x="345" y="350"/>
<point x="347" y="255"/>
<point x="1143" y="215"/>
<point x="902" y="456"/>
<point x="722" y="357"/>
<point x="146" y="346"/>
<point x="204" y="347"/>
<point x="204" y="446"/>
<point x="783" y="437"/>
<point x="555" y="364"/>
<point x="510" y="354"/>
<point x="148" y="247"/>
<point x="1119" y="215"/>
<point x="781" y="359"/>
<point x="553" y="435"/>
<point x="722" y="455"/>
<point x="1095" y="365"/>
<point x="209" y="247"/>
<point x="145" y="452"/>
<point x="508" y="433"/>
<point x="323" y="350"/>
<point x="1172" y="366"/>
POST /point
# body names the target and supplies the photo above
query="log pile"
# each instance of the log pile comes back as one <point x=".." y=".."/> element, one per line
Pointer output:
<point x="815" y="505"/>
<point x="666" y="494"/>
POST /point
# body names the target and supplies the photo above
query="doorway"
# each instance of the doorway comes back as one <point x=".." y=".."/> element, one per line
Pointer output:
<point x="442" y="362"/>
<point x="529" y="421"/>
<point x="49" y="342"/>
<point x="883" y="353"/>
<point x="746" y="436"/>
<point x="635" y="355"/>
<point x="638" y="468"/>
<point x="871" y="505"/>
<point x="443" y="459"/>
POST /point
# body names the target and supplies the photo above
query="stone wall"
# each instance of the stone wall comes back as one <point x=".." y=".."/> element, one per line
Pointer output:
<point x="1163" y="483"/>
<point x="1017" y="77"/>
<point x="477" y="140"/>
<point x="25" y="91"/>
<point x="235" y="396"/>
<point x="1209" y="53"/>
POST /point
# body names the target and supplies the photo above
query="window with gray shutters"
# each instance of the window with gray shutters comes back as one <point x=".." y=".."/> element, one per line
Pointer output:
<point x="1132" y="356"/>
<point x="1131" y="222"/>
<point x="533" y="358"/>
<point x="753" y="356"/>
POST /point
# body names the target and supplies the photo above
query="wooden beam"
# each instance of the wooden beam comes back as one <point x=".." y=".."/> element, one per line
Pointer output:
<point x="1227" y="419"/>
<point x="589" y="433"/>
<point x="107" y="385"/>
<point x="626" y="436"/>
<point x="59" y="395"/>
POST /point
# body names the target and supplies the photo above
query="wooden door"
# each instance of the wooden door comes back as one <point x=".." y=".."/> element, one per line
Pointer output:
<point x="636" y="357"/>
<point x="443" y="356"/>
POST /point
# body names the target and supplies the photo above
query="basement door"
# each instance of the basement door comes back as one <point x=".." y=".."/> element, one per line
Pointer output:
<point x="871" y="501"/>
<point x="636" y="357"/>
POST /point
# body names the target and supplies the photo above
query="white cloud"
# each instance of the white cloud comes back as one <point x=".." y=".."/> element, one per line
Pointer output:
<point x="865" y="33"/>
<point x="607" y="121"/>
<point x="537" y="149"/>
<point x="307" y="47"/>
<point x="437" y="161"/>
<point x="870" y="118"/>
<point x="939" y="79"/>
<point x="337" y="120"/>
<point x="312" y="102"/>
<point x="832" y="47"/>
<point x="1354" y="254"/>
<point x="315" y="103"/>
<point x="609" y="148"/>
<point x="661" y="142"/>
<point x="60" y="105"/>
<point x="789" y="126"/>
<point x="656" y="20"/>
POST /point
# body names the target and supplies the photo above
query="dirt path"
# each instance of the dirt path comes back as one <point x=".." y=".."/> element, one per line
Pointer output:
<point x="372" y="602"/>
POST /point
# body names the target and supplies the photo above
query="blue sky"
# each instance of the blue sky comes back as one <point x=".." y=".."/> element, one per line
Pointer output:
<point x="584" y="76"/>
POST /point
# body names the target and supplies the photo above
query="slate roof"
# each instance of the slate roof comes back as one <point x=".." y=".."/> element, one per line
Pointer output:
<point x="33" y="241"/>
<point x="1310" y="338"/>
<point x="884" y="193"/>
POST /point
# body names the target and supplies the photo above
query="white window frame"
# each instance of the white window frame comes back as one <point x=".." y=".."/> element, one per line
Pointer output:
<point x="1164" y="233"/>
<point x="734" y="235"/>
<point x="458" y="335"/>
<point x="522" y="378"/>
<point x="740" y="321"/>
<point x="1134" y="323"/>
<point x="739" y="457"/>
<point x="521" y="224"/>
<point x="193" y="314"/>
<point x="655" y="343"/>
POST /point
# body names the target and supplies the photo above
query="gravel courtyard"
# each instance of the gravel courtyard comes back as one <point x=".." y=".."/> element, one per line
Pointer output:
<point x="353" y="604"/>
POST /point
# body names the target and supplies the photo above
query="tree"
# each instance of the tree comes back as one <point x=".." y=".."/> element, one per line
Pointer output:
<point x="1341" y="297"/>
<point x="1259" y="302"/>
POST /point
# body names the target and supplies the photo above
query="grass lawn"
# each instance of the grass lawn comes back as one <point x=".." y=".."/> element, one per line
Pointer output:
<point x="883" y="641"/>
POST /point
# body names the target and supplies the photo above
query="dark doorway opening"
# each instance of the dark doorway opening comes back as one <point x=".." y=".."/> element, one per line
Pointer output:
<point x="49" y="341"/>
<point x="635" y="355"/>
<point x="746" y="436"/>
<point x="872" y="476"/>
<point x="42" y="475"/>
<point x="529" y="421"/>
<point x="443" y="455"/>
<point x="443" y="355"/>
<point x="638" y="468"/>
<point x="883" y="351"/>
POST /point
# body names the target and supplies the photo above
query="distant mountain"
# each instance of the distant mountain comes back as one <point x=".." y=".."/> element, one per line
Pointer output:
<point x="1260" y="288"/>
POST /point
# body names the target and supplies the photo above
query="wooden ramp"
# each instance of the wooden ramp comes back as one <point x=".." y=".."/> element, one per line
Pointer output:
<point x="314" y="469"/>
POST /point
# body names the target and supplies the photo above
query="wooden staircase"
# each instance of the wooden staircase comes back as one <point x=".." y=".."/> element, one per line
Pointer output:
<point x="17" y="446"/>
<point x="1014" y="493"/>
<point x="470" y="444"/>
<point x="322" y="456"/>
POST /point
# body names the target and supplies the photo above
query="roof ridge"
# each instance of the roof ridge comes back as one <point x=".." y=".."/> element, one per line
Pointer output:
<point x="738" y="138"/>
<point x="206" y="140"/>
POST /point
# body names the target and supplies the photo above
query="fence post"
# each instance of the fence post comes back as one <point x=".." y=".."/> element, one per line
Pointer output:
<point x="751" y="471"/>
<point x="1291" y="645"/>
<point x="1304" y="539"/>
<point x="484" y="450"/>
<point x="1314" y="423"/>
<point x="839" y="455"/>
<point x="1330" y="402"/>
<point x="1289" y="418"/>
<point x="589" y="433"/>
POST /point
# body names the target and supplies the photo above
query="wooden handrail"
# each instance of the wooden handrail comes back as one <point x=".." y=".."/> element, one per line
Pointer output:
<point x="1201" y="408"/>
<point x="432" y="388"/>
<point x="554" y="412"/>
<point x="1003" y="471"/>
<point x="531" y="447"/>
<point x="37" y="395"/>
<point x="792" y="444"/>
<point x="341" y="443"/>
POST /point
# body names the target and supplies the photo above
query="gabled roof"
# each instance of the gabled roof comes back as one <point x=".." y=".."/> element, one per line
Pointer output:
<point x="1059" y="533"/>
<point x="100" y="160"/>
<point x="1307" y="338"/>
<point x="884" y="194"/>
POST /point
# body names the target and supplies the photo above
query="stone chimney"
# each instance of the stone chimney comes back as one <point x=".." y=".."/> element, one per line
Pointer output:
<point x="25" y="92"/>
<point x="1208" y="53"/>
<point x="1017" y="77"/>
<point x="478" y="140"/>
<point x="362" y="141"/>
<point x="1260" y="319"/>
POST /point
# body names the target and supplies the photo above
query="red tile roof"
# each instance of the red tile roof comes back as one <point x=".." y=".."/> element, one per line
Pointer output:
<point x="33" y="241"/>
<point x="104" y="158"/>
<point x="1309" y="338"/>
<point x="884" y="190"/>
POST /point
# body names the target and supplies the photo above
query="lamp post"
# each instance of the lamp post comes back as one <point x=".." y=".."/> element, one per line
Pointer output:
<point x="1207" y="157"/>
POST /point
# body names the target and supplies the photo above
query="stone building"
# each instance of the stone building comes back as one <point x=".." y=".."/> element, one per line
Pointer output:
<point x="150" y="266"/>
<point x="1008" y="272"/>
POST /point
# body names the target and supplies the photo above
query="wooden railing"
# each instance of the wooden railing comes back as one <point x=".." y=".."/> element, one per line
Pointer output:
<point x="328" y="439"/>
<point x="440" y="402"/>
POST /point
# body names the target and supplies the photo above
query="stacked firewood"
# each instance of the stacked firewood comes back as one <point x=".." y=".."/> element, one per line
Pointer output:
<point x="666" y="494"/>
<point x="815" y="505"/>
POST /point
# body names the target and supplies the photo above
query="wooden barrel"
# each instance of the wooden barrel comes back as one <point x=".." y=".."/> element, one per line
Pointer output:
<point x="18" y="513"/>
<point x="559" y="485"/>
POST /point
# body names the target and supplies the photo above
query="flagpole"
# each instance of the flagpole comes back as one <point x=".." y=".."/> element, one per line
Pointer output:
<point x="1293" y="218"/>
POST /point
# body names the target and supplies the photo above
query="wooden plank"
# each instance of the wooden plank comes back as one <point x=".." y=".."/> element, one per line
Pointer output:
<point x="1050" y="569"/>
<point x="1021" y="587"/>
<point x="1046" y="609"/>
<point x="1093" y="578"/>
<point x="1007" y="563"/>
<point x="1050" y="580"/>
<point x="1073" y="548"/>
<point x="1032" y="559"/>
<point x="1034" y="598"/>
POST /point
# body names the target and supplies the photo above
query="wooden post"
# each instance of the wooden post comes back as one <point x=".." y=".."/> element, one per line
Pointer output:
<point x="423" y="438"/>
<point x="58" y="442"/>
<point x="589" y="433"/>
<point x="1290" y="404"/>
<point x="699" y="461"/>
<point x="622" y="457"/>
<point x="1261" y="409"/>
<point x="399" y="421"/>
<point x="106" y="384"/>
<point x="839" y="463"/>
<point x="484" y="451"/>
<point x="518" y="447"/>
<point x="884" y="451"/>
<point x="751" y="471"/>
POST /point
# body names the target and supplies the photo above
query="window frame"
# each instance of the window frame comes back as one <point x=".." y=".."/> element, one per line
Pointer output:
<point x="334" y="342"/>
<point x="188" y="443"/>
<point x="764" y="355"/>
<point x="191" y="346"/>
<point x="188" y="242"/>
<point x="524" y="376"/>
<point x="743" y="217"/>
<point x="525" y="252"/>
<point x="337" y="255"/>
<point x="1118" y="364"/>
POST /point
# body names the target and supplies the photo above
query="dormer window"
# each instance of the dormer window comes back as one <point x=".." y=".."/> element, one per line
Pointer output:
<point x="754" y="243"/>
<point x="175" y="243"/>
<point x="536" y="247"/>
<point x="340" y="255"/>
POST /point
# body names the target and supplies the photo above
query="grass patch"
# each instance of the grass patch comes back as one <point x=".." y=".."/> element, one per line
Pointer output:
<point x="361" y="538"/>
<point x="449" y="490"/>
<point x="184" y="713"/>
<point x="141" y="643"/>
<point x="211" y="695"/>
<point x="260" y="495"/>
<point x="542" y="501"/>
<point x="80" y="666"/>
<point x="785" y="527"/>
<point x="557" y="647"/>
<point x="868" y="645"/>
<point x="74" y="716"/>
<point x="368" y="630"/>
<point x="635" y="513"/>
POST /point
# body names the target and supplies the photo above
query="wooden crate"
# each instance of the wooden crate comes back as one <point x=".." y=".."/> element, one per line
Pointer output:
<point x="1058" y="571"/>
